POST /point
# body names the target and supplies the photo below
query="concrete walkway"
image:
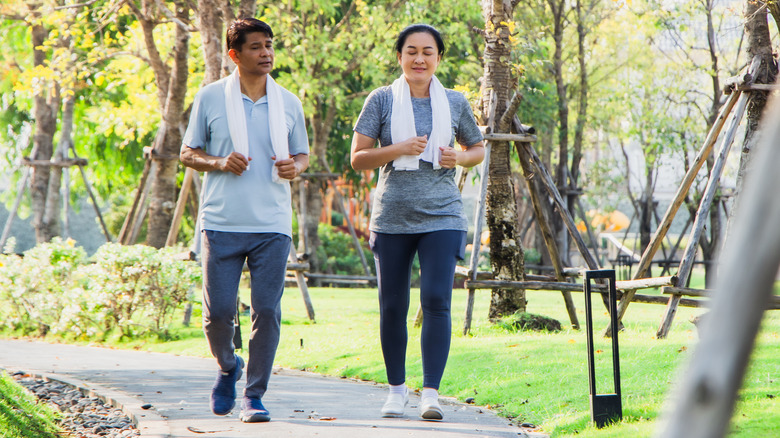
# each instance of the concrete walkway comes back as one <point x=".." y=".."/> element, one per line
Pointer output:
<point x="301" y="404"/>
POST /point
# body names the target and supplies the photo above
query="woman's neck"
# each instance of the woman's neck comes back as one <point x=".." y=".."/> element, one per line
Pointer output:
<point x="419" y="89"/>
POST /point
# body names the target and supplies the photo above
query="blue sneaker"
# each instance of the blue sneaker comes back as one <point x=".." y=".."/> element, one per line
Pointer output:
<point x="253" y="411"/>
<point x="223" y="394"/>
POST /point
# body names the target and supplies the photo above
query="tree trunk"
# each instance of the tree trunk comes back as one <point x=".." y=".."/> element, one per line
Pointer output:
<point x="45" y="108"/>
<point x="163" y="190"/>
<point x="759" y="44"/>
<point x="506" y="251"/>
<point x="558" y="8"/>
<point x="51" y="217"/>
<point x="321" y="124"/>
<point x="210" y="27"/>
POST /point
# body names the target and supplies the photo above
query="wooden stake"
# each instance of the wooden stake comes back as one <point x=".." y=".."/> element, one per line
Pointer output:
<point x="647" y="257"/>
<point x="181" y="203"/>
<point x="686" y="264"/>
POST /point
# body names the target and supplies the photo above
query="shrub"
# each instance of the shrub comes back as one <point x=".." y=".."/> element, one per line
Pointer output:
<point x="338" y="252"/>
<point x="34" y="285"/>
<point x="130" y="289"/>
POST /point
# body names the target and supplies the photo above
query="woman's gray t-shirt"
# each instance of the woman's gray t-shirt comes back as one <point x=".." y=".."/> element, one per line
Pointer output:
<point x="423" y="200"/>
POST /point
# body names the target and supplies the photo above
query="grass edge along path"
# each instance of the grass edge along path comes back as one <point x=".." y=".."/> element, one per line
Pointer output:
<point x="22" y="415"/>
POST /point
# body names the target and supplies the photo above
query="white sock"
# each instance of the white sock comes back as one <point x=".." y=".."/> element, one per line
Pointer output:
<point x="398" y="389"/>
<point x="430" y="393"/>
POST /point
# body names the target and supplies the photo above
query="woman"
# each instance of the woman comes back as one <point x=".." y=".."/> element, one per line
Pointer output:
<point x="417" y="206"/>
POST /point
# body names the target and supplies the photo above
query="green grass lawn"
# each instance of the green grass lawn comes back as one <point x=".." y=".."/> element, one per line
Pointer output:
<point x="21" y="416"/>
<point x="533" y="377"/>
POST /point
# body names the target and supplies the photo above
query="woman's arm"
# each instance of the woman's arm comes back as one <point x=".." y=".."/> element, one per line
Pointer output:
<point x="365" y="156"/>
<point x="468" y="157"/>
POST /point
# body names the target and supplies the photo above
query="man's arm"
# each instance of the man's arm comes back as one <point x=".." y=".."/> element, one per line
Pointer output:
<point x="199" y="160"/>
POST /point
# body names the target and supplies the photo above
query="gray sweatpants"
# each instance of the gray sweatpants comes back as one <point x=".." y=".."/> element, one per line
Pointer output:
<point x="223" y="260"/>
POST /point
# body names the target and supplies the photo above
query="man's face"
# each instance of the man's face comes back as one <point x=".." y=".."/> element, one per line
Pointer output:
<point x="256" y="55"/>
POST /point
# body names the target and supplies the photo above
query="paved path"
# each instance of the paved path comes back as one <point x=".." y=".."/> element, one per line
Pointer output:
<point x="301" y="404"/>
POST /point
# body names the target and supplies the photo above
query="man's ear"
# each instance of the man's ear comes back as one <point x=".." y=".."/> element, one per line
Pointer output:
<point x="233" y="55"/>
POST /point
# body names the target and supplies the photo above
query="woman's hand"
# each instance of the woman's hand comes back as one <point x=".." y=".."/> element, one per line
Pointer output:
<point x="449" y="157"/>
<point x="413" y="145"/>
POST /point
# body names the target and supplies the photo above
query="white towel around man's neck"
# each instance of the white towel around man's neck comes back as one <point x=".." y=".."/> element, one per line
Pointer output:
<point x="277" y="124"/>
<point x="402" y="123"/>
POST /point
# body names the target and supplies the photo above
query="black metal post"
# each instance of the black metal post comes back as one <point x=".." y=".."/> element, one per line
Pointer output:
<point x="604" y="408"/>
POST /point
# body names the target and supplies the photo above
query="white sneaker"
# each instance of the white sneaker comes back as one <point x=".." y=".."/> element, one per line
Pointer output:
<point x="430" y="409"/>
<point x="395" y="404"/>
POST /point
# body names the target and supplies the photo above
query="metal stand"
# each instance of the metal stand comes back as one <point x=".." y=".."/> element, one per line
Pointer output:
<point x="604" y="408"/>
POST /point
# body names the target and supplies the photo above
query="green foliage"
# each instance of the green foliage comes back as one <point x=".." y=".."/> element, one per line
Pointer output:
<point x="339" y="254"/>
<point x="21" y="416"/>
<point x="132" y="290"/>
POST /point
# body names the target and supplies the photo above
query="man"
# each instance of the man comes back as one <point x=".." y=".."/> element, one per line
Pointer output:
<point x="245" y="213"/>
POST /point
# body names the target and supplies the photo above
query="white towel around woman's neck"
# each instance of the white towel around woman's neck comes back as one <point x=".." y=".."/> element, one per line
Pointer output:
<point x="277" y="124"/>
<point x="402" y="123"/>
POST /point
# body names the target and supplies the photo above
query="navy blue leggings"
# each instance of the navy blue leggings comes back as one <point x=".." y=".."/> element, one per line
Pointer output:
<point x="438" y="252"/>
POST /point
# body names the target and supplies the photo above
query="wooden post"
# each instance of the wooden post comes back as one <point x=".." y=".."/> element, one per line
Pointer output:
<point x="544" y="225"/>
<point x="549" y="184"/>
<point x="686" y="264"/>
<point x="703" y="403"/>
<point x="19" y="195"/>
<point x="476" y="242"/>
<point x="88" y="186"/>
<point x="181" y="203"/>
<point x="124" y="233"/>
<point x="302" y="285"/>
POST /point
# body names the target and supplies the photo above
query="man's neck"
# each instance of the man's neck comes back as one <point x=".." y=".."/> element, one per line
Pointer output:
<point x="253" y="86"/>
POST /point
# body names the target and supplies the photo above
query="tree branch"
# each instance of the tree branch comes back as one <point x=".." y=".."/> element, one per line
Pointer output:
<point x="344" y="20"/>
<point x="509" y="114"/>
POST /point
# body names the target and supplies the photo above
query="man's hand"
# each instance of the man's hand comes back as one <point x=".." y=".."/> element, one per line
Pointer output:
<point x="234" y="163"/>
<point x="288" y="169"/>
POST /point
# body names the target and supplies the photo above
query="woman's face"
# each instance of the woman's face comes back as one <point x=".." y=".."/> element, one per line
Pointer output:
<point x="419" y="57"/>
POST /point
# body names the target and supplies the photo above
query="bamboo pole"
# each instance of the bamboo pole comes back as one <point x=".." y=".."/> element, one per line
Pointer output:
<point x="703" y="402"/>
<point x="686" y="264"/>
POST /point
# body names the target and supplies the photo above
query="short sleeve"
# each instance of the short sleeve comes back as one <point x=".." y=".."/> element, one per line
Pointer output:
<point x="468" y="131"/>
<point x="369" y="122"/>
<point x="298" y="139"/>
<point x="196" y="135"/>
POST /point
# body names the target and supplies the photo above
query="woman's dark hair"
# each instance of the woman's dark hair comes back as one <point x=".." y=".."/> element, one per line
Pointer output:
<point x="416" y="28"/>
<point x="237" y="32"/>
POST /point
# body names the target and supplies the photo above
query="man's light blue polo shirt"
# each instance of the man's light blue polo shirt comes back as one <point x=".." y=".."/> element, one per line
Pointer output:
<point x="252" y="202"/>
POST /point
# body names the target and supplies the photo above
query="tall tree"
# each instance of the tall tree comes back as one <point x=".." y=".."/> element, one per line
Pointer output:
<point x="155" y="19"/>
<point x="499" y="81"/>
